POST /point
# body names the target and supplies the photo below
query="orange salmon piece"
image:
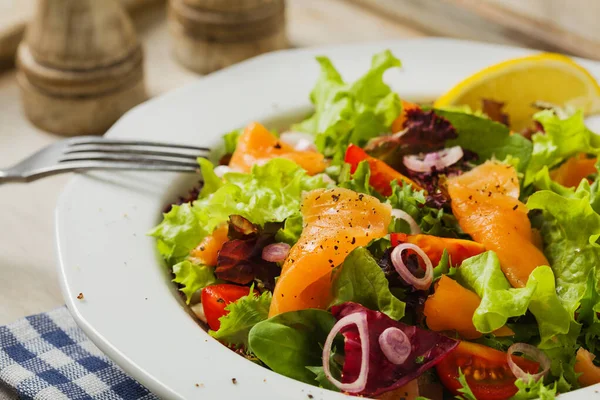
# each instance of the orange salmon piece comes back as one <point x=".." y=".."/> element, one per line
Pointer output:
<point x="336" y="221"/>
<point x="486" y="203"/>
<point x="257" y="146"/>
<point x="574" y="170"/>
<point x="208" y="249"/>
<point x="451" y="308"/>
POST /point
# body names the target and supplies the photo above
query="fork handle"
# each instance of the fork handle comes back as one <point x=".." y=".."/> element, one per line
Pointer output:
<point x="7" y="177"/>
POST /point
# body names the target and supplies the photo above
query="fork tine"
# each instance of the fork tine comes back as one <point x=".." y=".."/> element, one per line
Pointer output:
<point x="130" y="159"/>
<point x="91" y="165"/>
<point x="131" y="151"/>
<point x="90" y="140"/>
<point x="80" y="166"/>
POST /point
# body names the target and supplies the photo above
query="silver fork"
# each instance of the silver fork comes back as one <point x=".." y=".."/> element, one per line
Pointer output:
<point x="93" y="153"/>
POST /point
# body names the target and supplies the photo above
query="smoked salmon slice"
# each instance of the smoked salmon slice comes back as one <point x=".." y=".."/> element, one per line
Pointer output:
<point x="486" y="203"/>
<point x="336" y="221"/>
<point x="257" y="146"/>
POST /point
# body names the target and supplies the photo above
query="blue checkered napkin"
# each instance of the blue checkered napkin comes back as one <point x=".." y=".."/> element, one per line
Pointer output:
<point x="47" y="357"/>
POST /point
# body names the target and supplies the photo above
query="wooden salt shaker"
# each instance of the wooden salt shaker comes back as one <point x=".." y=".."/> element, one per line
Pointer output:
<point x="79" y="66"/>
<point x="211" y="34"/>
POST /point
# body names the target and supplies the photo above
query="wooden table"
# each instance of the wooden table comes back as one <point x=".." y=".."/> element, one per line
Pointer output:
<point x="28" y="274"/>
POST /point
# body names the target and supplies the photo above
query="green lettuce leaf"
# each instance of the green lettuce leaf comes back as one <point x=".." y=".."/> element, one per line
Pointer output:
<point x="588" y="316"/>
<point x="570" y="231"/>
<point x="270" y="193"/>
<point x="499" y="301"/>
<point x="542" y="181"/>
<point x="244" y="314"/>
<point x="359" y="180"/>
<point x="444" y="267"/>
<point x="179" y="232"/>
<point x="231" y="139"/>
<point x="431" y="220"/>
<point x="487" y="138"/>
<point x="211" y="182"/>
<point x="289" y="342"/>
<point x="322" y="379"/>
<point x="562" y="138"/>
<point x="351" y="113"/>
<point x="193" y="277"/>
<point x="291" y="231"/>
<point x="362" y="281"/>
<point x="465" y="391"/>
<point x="532" y="389"/>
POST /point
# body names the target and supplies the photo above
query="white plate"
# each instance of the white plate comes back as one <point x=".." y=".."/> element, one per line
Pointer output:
<point x="130" y="310"/>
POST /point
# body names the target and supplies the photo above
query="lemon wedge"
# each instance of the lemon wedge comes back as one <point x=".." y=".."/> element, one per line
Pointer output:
<point x="520" y="82"/>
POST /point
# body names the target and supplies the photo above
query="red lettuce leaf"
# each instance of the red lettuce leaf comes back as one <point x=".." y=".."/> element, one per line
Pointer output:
<point x="424" y="132"/>
<point x="428" y="349"/>
<point x="240" y="259"/>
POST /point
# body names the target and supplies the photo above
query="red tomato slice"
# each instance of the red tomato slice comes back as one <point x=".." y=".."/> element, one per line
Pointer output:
<point x="382" y="174"/>
<point x="216" y="297"/>
<point x="485" y="369"/>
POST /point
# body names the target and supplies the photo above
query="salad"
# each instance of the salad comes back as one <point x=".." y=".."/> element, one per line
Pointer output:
<point x="388" y="249"/>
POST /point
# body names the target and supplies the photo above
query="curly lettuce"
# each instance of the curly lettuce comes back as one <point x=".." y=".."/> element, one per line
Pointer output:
<point x="561" y="139"/>
<point x="243" y="315"/>
<point x="499" y="301"/>
<point x="270" y="193"/>
<point x="193" y="277"/>
<point x="351" y="112"/>
<point x="570" y="231"/>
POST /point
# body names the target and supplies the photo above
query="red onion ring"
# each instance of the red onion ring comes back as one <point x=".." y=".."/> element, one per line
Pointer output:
<point x="439" y="159"/>
<point x="533" y="352"/>
<point x="276" y="252"/>
<point x="360" y="320"/>
<point x="419" y="283"/>
<point x="395" y="345"/>
<point x="403" y="215"/>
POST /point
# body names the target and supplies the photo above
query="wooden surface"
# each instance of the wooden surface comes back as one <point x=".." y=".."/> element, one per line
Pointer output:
<point x="28" y="278"/>
<point x="566" y="26"/>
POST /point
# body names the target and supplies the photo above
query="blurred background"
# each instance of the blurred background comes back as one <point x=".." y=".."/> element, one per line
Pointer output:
<point x="85" y="55"/>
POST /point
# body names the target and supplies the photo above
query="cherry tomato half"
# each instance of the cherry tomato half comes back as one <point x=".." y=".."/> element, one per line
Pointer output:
<point x="382" y="174"/>
<point x="216" y="297"/>
<point x="485" y="369"/>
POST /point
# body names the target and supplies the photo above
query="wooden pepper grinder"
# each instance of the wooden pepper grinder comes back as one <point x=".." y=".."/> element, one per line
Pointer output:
<point x="79" y="66"/>
<point x="211" y="34"/>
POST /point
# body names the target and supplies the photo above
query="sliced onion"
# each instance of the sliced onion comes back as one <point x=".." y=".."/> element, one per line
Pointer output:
<point x="395" y="345"/>
<point x="414" y="227"/>
<point x="198" y="310"/>
<point x="276" y="252"/>
<point x="222" y="170"/>
<point x="439" y="159"/>
<point x="300" y="140"/>
<point x="419" y="283"/>
<point x="534" y="353"/>
<point x="360" y="320"/>
<point x="326" y="178"/>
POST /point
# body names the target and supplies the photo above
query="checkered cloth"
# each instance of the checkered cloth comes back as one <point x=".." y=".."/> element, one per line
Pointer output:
<point x="47" y="357"/>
